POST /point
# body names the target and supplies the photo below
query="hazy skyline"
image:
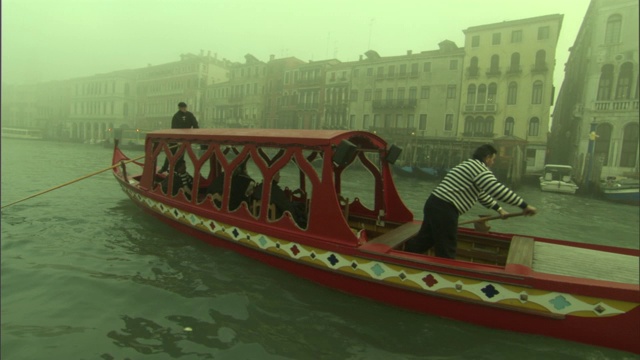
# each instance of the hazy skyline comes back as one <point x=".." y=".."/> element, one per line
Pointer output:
<point x="56" y="40"/>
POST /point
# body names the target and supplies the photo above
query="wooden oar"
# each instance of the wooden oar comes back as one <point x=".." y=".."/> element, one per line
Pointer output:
<point x="480" y="224"/>
<point x="73" y="181"/>
<point x="487" y="218"/>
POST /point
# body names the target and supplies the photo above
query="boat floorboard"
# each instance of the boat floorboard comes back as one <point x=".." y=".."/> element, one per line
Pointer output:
<point x="585" y="263"/>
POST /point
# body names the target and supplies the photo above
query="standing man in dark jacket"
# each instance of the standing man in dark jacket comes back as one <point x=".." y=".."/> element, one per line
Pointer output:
<point x="183" y="119"/>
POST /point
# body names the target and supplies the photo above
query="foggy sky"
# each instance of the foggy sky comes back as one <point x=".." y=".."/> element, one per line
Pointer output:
<point x="45" y="40"/>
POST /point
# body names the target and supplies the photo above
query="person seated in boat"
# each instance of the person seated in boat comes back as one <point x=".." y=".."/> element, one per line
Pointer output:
<point x="461" y="188"/>
<point x="181" y="180"/>
<point x="282" y="202"/>
<point x="217" y="187"/>
<point x="242" y="186"/>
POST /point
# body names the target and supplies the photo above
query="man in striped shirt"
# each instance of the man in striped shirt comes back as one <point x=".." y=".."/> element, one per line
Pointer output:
<point x="465" y="184"/>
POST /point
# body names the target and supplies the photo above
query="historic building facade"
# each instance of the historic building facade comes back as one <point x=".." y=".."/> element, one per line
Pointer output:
<point x="507" y="87"/>
<point x="595" y="122"/>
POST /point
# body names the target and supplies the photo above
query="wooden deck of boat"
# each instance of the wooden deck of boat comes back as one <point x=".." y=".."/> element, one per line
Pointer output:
<point x="585" y="263"/>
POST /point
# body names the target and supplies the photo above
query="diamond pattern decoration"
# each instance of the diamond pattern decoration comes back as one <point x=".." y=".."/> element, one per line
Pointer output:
<point x="553" y="302"/>
<point x="490" y="291"/>
<point x="559" y="302"/>
<point x="430" y="280"/>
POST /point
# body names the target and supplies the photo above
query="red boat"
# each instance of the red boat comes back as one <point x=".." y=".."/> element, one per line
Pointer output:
<point x="352" y="239"/>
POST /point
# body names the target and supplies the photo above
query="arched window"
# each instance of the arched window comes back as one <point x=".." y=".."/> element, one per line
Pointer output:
<point x="468" y="125"/>
<point x="612" y="33"/>
<point x="479" y="126"/>
<point x="606" y="81"/>
<point x="508" y="126"/>
<point x="488" y="126"/>
<point x="541" y="63"/>
<point x="482" y="94"/>
<point x="471" y="94"/>
<point x="515" y="62"/>
<point x="512" y="94"/>
<point x="603" y="142"/>
<point x="629" y="151"/>
<point x="495" y="64"/>
<point x="536" y="92"/>
<point x="623" y="91"/>
<point x="534" y="126"/>
<point x="491" y="96"/>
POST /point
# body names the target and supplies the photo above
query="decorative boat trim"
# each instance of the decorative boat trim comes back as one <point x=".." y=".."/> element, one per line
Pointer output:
<point x="512" y="297"/>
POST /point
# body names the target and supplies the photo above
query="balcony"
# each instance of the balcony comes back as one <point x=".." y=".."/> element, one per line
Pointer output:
<point x="514" y="70"/>
<point x="308" y="106"/>
<point x="539" y="68"/>
<point x="480" y="108"/>
<point x="616" y="106"/>
<point x="493" y="72"/>
<point x="475" y="134"/>
<point x="394" y="104"/>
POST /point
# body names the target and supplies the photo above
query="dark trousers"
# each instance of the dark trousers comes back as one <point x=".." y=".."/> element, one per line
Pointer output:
<point x="439" y="228"/>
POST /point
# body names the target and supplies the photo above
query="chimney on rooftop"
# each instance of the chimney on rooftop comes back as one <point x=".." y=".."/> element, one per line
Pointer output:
<point x="409" y="52"/>
<point x="271" y="57"/>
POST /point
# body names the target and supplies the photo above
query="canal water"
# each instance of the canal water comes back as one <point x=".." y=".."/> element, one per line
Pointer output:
<point x="87" y="275"/>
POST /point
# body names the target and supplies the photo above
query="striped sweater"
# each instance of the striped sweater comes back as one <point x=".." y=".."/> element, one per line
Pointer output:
<point x="472" y="181"/>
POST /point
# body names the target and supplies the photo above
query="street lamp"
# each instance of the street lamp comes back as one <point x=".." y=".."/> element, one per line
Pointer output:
<point x="591" y="150"/>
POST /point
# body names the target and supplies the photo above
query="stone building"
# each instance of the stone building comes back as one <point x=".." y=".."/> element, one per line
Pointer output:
<point x="595" y="122"/>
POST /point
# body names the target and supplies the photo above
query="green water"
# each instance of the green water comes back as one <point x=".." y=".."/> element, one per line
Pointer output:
<point x="87" y="275"/>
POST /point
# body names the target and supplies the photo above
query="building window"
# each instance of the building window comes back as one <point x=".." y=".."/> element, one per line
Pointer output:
<point x="473" y="66"/>
<point x="606" y="81"/>
<point x="488" y="126"/>
<point x="453" y="64"/>
<point x="414" y="69"/>
<point x="376" y="120"/>
<point x="400" y="121"/>
<point x="612" y="33"/>
<point x="388" y="120"/>
<point x="448" y="122"/>
<point x="495" y="39"/>
<point x="482" y="94"/>
<point x="369" y="71"/>
<point x="491" y="95"/>
<point x="623" y="91"/>
<point x="451" y="92"/>
<point x="425" y="92"/>
<point x="426" y="67"/>
<point x="541" y="63"/>
<point x="516" y="36"/>
<point x="403" y="70"/>
<point x="629" y="150"/>
<point x="543" y="32"/>
<point x="471" y="94"/>
<point x="536" y="92"/>
<point x="508" y="126"/>
<point x="512" y="93"/>
<point x="380" y="72"/>
<point x="401" y="92"/>
<point x="392" y="71"/>
<point x="534" y="126"/>
<point x="468" y="126"/>
<point x="601" y="149"/>
<point x="410" y="120"/>
<point x="423" y="122"/>
<point x="365" y="121"/>
<point x="367" y="94"/>
<point x="389" y="93"/>
<point x="495" y="64"/>
<point x="413" y="93"/>
<point x="515" y="62"/>
<point x="475" y="41"/>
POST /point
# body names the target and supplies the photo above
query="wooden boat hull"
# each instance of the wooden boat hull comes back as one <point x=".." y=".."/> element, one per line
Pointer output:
<point x="558" y="187"/>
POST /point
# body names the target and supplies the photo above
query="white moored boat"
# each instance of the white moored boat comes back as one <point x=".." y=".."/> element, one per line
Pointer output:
<point x="558" y="178"/>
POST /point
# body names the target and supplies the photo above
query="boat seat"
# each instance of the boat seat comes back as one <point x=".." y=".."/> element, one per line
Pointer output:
<point x="521" y="252"/>
<point x="566" y="178"/>
<point x="548" y="176"/>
